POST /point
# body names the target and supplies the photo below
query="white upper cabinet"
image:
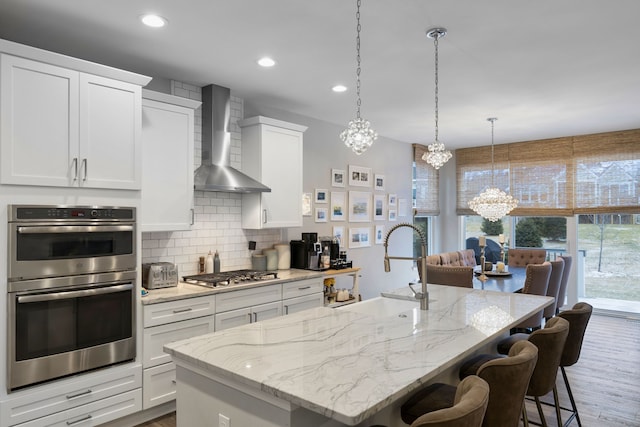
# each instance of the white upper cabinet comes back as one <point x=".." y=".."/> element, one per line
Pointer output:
<point x="272" y="154"/>
<point x="64" y="127"/>
<point x="167" y="162"/>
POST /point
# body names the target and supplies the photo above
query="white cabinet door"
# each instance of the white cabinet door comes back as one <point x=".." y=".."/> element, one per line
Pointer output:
<point x="294" y="305"/>
<point x="159" y="385"/>
<point x="266" y="311"/>
<point x="167" y="165"/>
<point x="110" y="133"/>
<point x="156" y="337"/>
<point x="65" y="128"/>
<point x="38" y="123"/>
<point x="272" y="154"/>
<point x="233" y="318"/>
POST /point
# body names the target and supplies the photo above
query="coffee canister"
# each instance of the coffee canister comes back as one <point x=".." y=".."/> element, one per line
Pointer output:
<point x="272" y="258"/>
<point x="259" y="262"/>
<point x="284" y="256"/>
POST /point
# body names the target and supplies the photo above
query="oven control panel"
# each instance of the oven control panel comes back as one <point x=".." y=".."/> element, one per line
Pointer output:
<point x="70" y="213"/>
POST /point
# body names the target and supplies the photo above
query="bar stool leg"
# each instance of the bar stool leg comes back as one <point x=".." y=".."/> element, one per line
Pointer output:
<point x="540" y="412"/>
<point x="573" y="402"/>
<point x="557" y="404"/>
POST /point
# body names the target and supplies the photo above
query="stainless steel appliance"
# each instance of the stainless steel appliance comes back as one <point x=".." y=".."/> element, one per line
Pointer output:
<point x="228" y="278"/>
<point x="156" y="275"/>
<point x="71" y="291"/>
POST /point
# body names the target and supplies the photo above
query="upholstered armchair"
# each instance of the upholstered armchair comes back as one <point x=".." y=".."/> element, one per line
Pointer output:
<point x="524" y="257"/>
<point x="467" y="257"/>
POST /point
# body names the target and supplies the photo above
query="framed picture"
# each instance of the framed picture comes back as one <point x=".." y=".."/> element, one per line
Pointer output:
<point x="306" y="204"/>
<point x="321" y="195"/>
<point x="392" y="199"/>
<point x="379" y="182"/>
<point x="321" y="214"/>
<point x="392" y="215"/>
<point x="359" y="237"/>
<point x="337" y="178"/>
<point x="359" y="206"/>
<point x="338" y="205"/>
<point x="359" y="176"/>
<point x="378" y="207"/>
<point x="338" y="233"/>
<point x="379" y="234"/>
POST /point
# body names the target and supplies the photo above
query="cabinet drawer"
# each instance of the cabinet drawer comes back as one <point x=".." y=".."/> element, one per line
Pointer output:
<point x="248" y="297"/>
<point x="93" y="414"/>
<point x="302" y="287"/>
<point x="230" y="319"/>
<point x="174" y="311"/>
<point x="159" y="385"/>
<point x="156" y="337"/>
<point x="61" y="396"/>
<point x="294" y="305"/>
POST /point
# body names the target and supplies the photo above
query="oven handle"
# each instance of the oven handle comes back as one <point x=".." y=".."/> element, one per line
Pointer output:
<point x="74" y="229"/>
<point x="73" y="294"/>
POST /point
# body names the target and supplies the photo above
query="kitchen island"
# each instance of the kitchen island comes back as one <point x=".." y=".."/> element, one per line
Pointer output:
<point x="354" y="365"/>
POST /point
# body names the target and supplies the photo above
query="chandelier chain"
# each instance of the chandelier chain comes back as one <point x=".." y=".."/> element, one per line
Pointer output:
<point x="492" y="120"/>
<point x="435" y="43"/>
<point x="358" y="68"/>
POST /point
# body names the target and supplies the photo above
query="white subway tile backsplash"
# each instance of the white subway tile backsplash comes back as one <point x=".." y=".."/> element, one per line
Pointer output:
<point x="217" y="215"/>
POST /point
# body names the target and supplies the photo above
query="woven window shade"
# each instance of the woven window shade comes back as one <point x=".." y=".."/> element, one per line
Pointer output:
<point x="607" y="172"/>
<point x="426" y="184"/>
<point x="542" y="177"/>
<point x="473" y="173"/>
<point x="598" y="173"/>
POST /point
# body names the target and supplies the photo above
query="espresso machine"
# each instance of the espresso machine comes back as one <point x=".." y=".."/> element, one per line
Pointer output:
<point x="305" y="253"/>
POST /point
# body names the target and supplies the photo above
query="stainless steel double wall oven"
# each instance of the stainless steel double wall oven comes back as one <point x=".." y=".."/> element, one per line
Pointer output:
<point x="71" y="290"/>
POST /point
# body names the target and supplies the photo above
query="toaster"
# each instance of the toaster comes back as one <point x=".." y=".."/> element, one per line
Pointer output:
<point x="157" y="275"/>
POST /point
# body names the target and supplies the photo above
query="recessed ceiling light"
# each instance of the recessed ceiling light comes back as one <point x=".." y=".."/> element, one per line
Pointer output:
<point x="339" y="88"/>
<point x="266" y="62"/>
<point x="155" y="21"/>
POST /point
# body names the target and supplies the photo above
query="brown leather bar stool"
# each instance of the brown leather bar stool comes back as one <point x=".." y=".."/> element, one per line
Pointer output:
<point x="562" y="292"/>
<point x="578" y="318"/>
<point x="555" y="280"/>
<point x="508" y="378"/>
<point x="470" y="404"/>
<point x="550" y="342"/>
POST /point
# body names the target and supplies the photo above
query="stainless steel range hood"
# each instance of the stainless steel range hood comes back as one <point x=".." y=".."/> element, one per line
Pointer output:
<point x="215" y="174"/>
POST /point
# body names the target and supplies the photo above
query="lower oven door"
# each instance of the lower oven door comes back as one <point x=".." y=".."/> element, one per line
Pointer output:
<point x="69" y="330"/>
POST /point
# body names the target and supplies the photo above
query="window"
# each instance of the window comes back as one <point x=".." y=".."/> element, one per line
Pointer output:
<point x="425" y="196"/>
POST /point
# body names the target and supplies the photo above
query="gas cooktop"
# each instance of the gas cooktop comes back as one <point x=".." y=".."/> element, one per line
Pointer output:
<point x="226" y="278"/>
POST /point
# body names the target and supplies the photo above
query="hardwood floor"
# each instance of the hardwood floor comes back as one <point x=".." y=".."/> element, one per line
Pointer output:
<point x="605" y="381"/>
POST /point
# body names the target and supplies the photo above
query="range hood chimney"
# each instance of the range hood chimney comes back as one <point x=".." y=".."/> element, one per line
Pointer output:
<point x="215" y="174"/>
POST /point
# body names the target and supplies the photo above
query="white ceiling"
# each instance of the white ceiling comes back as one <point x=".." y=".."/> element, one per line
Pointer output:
<point x="545" y="68"/>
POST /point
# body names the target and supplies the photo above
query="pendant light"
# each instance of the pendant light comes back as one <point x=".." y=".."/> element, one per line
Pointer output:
<point x="358" y="135"/>
<point x="436" y="155"/>
<point x="493" y="203"/>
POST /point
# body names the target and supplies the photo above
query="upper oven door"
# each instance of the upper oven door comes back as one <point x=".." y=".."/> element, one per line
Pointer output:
<point x="41" y="250"/>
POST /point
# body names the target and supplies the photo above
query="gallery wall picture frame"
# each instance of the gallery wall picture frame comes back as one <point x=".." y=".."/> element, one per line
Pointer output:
<point x="379" y="239"/>
<point x="306" y="204"/>
<point x="338" y="205"/>
<point x="337" y="178"/>
<point x="321" y="214"/>
<point x="321" y="195"/>
<point x="359" y="176"/>
<point x="392" y="215"/>
<point x="359" y="206"/>
<point x="338" y="233"/>
<point x="378" y="207"/>
<point x="359" y="237"/>
<point x="379" y="182"/>
<point x="393" y="199"/>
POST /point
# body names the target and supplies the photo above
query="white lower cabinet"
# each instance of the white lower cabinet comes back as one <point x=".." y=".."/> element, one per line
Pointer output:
<point x="248" y="305"/>
<point x="244" y="316"/>
<point x="89" y="400"/>
<point x="164" y="323"/>
<point x="294" y="305"/>
<point x="302" y="295"/>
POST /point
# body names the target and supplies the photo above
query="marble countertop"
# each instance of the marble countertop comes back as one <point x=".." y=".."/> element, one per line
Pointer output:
<point x="349" y="363"/>
<point x="187" y="290"/>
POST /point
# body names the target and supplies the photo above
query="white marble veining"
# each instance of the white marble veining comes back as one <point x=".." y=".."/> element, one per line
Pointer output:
<point x="351" y="362"/>
<point x="186" y="290"/>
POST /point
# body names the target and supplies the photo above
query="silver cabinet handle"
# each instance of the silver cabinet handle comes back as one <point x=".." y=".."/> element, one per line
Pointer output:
<point x="182" y="310"/>
<point x="249" y="314"/>
<point x="286" y="309"/>
<point x="82" y="393"/>
<point x="75" y="168"/>
<point x="255" y="317"/>
<point x="85" y="418"/>
<point x="264" y="216"/>
<point x="304" y="287"/>
<point x="86" y="172"/>
<point x="193" y="216"/>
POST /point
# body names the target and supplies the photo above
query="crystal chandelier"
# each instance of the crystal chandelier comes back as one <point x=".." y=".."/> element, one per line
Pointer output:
<point x="493" y="203"/>
<point x="358" y="135"/>
<point x="436" y="155"/>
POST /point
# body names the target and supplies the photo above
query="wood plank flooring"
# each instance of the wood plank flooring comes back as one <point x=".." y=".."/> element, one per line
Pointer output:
<point x="605" y="381"/>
